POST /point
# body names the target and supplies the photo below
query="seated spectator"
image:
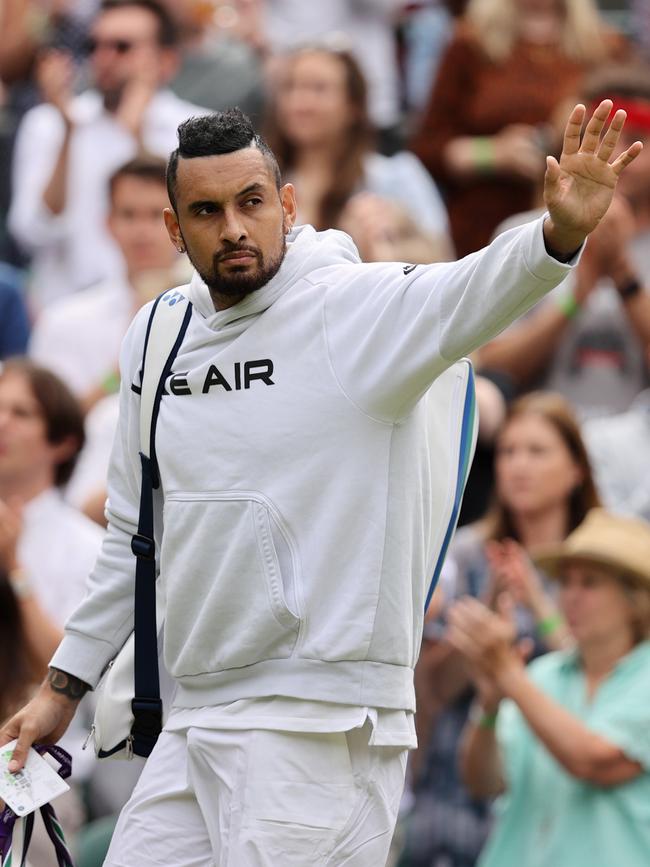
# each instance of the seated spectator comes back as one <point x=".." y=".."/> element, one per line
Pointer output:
<point x="79" y="337"/>
<point x="485" y="133"/>
<point x="589" y="339"/>
<point x="14" y="320"/>
<point x="565" y="742"/>
<point x="544" y="489"/>
<point x="46" y="546"/>
<point x="365" y="27"/>
<point x="67" y="148"/>
<point x="619" y="446"/>
<point x="321" y="134"/>
<point x="41" y="434"/>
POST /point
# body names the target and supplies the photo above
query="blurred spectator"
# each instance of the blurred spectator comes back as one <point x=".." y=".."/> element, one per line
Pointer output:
<point x="14" y="321"/>
<point x="426" y="31"/>
<point x="485" y="132"/>
<point x="79" y="337"/>
<point x="47" y="547"/>
<point x="589" y="338"/>
<point x="41" y="433"/>
<point x="219" y="69"/>
<point x="27" y="27"/>
<point x="570" y="751"/>
<point x="619" y="446"/>
<point x="365" y="28"/>
<point x="640" y="25"/>
<point x="321" y="135"/>
<point x="67" y="148"/>
<point x="544" y="489"/>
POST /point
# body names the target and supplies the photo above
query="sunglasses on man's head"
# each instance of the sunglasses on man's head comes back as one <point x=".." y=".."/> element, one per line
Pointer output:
<point x="119" y="46"/>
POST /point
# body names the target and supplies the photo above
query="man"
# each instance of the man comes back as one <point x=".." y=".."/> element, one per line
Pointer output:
<point x="295" y="553"/>
<point x="79" y="337"/>
<point x="67" y="148"/>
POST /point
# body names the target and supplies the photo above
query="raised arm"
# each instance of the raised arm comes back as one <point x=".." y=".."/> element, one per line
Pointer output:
<point x="415" y="322"/>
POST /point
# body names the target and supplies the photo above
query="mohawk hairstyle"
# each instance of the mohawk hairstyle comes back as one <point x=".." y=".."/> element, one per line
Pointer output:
<point x="224" y="132"/>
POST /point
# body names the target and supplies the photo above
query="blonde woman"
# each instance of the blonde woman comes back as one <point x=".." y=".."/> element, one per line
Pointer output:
<point x="566" y="742"/>
<point x="485" y="133"/>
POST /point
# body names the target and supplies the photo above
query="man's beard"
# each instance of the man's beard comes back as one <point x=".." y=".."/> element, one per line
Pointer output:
<point x="239" y="283"/>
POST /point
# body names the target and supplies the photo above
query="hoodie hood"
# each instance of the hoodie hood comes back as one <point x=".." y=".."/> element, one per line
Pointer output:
<point x="307" y="251"/>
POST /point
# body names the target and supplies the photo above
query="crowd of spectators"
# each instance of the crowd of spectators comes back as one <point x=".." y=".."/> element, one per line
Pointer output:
<point x="421" y="130"/>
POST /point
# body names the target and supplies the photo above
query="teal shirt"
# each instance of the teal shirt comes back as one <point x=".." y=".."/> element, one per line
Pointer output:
<point x="548" y="818"/>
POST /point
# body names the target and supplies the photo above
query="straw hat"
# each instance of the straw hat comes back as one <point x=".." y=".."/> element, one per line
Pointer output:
<point x="620" y="545"/>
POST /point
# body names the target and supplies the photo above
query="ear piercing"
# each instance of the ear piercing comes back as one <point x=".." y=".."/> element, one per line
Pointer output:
<point x="181" y="248"/>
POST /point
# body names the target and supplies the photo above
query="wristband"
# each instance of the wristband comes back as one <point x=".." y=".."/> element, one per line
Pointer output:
<point x="483" y="153"/>
<point x="629" y="289"/>
<point x="568" y="305"/>
<point x="481" y="719"/>
<point x="550" y="624"/>
<point x="111" y="383"/>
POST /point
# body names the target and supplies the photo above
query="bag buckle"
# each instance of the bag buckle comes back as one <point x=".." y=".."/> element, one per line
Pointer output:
<point x="143" y="547"/>
<point x="147" y="713"/>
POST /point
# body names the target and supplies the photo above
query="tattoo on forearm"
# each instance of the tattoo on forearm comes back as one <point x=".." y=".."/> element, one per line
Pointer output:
<point x="66" y="684"/>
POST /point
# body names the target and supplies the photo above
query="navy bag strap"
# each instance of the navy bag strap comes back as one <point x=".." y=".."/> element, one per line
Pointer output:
<point x="168" y="322"/>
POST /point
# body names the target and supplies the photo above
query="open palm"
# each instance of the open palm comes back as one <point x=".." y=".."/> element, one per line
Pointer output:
<point x="578" y="190"/>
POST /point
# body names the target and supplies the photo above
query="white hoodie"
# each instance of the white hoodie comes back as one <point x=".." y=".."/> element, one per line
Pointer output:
<point x="296" y="553"/>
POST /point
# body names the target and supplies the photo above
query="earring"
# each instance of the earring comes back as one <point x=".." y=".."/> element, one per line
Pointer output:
<point x="181" y="248"/>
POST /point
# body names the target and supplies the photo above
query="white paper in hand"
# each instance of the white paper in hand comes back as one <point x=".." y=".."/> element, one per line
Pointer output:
<point x="30" y="788"/>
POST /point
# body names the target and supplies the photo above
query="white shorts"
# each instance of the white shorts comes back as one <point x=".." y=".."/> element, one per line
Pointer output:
<point x="257" y="798"/>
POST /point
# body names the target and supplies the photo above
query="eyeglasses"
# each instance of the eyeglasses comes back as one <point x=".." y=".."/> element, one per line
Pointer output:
<point x="119" y="46"/>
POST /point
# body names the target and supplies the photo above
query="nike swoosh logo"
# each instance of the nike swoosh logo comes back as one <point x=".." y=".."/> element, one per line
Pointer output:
<point x="408" y="268"/>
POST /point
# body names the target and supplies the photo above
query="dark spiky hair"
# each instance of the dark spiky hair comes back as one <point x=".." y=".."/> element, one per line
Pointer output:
<point x="211" y="135"/>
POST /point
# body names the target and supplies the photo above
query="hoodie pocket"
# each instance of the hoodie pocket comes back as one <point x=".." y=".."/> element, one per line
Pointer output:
<point x="229" y="568"/>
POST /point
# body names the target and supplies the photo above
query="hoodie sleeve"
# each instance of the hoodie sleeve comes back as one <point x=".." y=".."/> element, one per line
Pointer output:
<point x="391" y="329"/>
<point x="103" y="621"/>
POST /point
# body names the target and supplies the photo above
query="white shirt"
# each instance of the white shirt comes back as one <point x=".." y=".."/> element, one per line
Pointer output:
<point x="79" y="337"/>
<point x="91" y="470"/>
<point x="73" y="249"/>
<point x="57" y="549"/>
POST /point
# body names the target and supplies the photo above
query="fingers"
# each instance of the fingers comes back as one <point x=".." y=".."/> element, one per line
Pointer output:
<point x="572" y="131"/>
<point x="591" y="138"/>
<point x="26" y="738"/>
<point x="611" y="137"/>
<point x="553" y="172"/>
<point x="627" y="157"/>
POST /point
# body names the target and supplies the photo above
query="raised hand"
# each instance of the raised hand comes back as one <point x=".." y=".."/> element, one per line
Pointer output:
<point x="54" y="76"/>
<point x="579" y="188"/>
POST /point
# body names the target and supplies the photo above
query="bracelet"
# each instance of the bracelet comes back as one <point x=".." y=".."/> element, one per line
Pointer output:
<point x="483" y="153"/>
<point x="111" y="383"/>
<point x="568" y="305"/>
<point x="481" y="719"/>
<point x="548" y="625"/>
<point x="629" y="289"/>
<point x="20" y="583"/>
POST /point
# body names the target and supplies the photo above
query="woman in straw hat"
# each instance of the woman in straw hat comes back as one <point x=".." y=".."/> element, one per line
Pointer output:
<point x="567" y="740"/>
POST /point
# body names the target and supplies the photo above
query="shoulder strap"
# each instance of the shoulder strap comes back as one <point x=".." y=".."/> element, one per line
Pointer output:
<point x="166" y="329"/>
